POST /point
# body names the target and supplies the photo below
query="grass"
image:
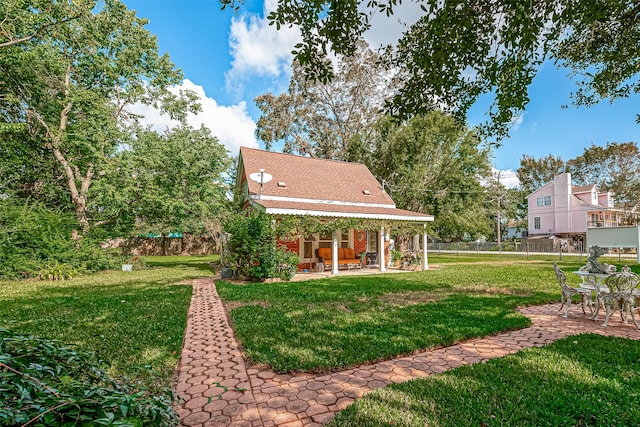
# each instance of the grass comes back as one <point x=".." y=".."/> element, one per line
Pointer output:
<point x="132" y="320"/>
<point x="330" y="324"/>
<point x="577" y="381"/>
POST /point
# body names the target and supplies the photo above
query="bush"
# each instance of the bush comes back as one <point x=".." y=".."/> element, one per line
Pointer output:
<point x="252" y="249"/>
<point x="36" y="242"/>
<point x="45" y="383"/>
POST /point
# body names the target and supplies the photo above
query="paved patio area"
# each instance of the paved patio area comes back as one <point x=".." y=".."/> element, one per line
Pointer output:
<point x="216" y="388"/>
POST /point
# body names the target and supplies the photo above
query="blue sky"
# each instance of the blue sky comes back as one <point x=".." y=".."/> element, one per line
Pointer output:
<point x="231" y="58"/>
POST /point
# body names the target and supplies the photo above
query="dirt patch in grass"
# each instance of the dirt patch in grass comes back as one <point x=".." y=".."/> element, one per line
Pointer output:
<point x="408" y="298"/>
<point x="236" y="304"/>
<point x="484" y="290"/>
<point x="500" y="262"/>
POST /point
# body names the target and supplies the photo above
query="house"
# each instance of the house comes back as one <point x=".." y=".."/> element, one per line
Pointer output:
<point x="284" y="184"/>
<point x="514" y="230"/>
<point x="566" y="211"/>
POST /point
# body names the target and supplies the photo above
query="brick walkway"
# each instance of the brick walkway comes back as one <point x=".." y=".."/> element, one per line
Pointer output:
<point x="215" y="387"/>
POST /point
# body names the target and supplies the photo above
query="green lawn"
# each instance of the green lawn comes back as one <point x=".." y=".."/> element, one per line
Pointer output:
<point x="333" y="323"/>
<point x="585" y="380"/>
<point x="132" y="320"/>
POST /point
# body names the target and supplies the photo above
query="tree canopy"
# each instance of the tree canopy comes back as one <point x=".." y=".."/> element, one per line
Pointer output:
<point x="459" y="50"/>
<point x="69" y="71"/>
<point x="332" y="119"/>
<point x="431" y="164"/>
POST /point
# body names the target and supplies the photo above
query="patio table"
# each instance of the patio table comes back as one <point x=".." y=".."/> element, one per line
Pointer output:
<point x="596" y="282"/>
<point x="592" y="284"/>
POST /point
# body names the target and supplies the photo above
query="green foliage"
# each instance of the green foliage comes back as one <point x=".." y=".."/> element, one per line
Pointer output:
<point x="37" y="242"/>
<point x="614" y="167"/>
<point x="534" y="173"/>
<point x="71" y="86"/>
<point x="130" y="319"/>
<point x="252" y="248"/>
<point x="332" y="120"/>
<point x="459" y="50"/>
<point x="43" y="383"/>
<point x="174" y="181"/>
<point x="432" y="164"/>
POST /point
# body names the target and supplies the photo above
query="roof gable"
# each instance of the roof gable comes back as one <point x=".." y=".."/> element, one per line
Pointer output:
<point x="297" y="177"/>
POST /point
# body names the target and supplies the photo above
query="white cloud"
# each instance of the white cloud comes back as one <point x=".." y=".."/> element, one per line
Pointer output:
<point x="259" y="49"/>
<point x="388" y="29"/>
<point x="232" y="125"/>
<point x="508" y="177"/>
<point x="516" y="121"/>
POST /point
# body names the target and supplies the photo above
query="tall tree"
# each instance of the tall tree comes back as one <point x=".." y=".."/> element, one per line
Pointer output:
<point x="460" y="49"/>
<point x="71" y="87"/>
<point x="331" y="120"/>
<point x="430" y="164"/>
<point x="615" y="167"/>
<point x="176" y="180"/>
<point x="534" y="173"/>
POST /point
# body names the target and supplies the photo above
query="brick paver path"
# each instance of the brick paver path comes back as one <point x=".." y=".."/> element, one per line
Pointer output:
<point x="215" y="387"/>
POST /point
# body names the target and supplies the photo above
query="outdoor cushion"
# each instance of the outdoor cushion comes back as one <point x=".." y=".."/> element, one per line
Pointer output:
<point x="324" y="253"/>
<point x="348" y="253"/>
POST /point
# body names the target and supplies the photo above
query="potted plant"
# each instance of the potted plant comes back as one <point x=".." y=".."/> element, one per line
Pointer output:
<point x="396" y="256"/>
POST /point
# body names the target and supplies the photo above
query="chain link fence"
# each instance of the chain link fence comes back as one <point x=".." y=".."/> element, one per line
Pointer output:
<point x="526" y="249"/>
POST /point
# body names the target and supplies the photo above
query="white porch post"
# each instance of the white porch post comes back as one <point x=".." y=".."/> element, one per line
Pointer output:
<point x="425" y="260"/>
<point x="334" y="253"/>
<point x="383" y="266"/>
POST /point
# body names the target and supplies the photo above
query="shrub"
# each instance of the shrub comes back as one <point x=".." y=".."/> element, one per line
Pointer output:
<point x="36" y="242"/>
<point x="45" y="383"/>
<point x="252" y="249"/>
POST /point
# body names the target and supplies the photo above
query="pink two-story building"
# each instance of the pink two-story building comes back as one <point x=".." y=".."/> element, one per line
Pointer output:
<point x="561" y="209"/>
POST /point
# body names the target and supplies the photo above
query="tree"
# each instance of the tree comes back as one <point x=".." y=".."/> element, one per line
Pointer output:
<point x="431" y="164"/>
<point x="459" y="50"/>
<point x="534" y="173"/>
<point x="70" y="88"/>
<point x="615" y="167"/>
<point x="175" y="181"/>
<point x="331" y="120"/>
<point x="24" y="20"/>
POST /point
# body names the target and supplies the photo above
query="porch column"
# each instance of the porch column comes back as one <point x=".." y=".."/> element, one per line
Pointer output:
<point x="334" y="253"/>
<point x="425" y="260"/>
<point x="383" y="266"/>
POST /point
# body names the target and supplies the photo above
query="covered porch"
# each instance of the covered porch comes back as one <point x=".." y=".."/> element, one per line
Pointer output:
<point x="353" y="238"/>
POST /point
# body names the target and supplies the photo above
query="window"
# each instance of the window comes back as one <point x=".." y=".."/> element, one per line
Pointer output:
<point x="307" y="251"/>
<point x="543" y="201"/>
<point x="344" y="240"/>
<point x="372" y="241"/>
<point x="326" y="240"/>
<point x="536" y="223"/>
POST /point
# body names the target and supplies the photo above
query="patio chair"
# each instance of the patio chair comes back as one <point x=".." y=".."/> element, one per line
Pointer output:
<point x="569" y="292"/>
<point x="620" y="295"/>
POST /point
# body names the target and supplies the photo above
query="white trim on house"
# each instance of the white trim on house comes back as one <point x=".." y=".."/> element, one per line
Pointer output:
<point x="302" y="212"/>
